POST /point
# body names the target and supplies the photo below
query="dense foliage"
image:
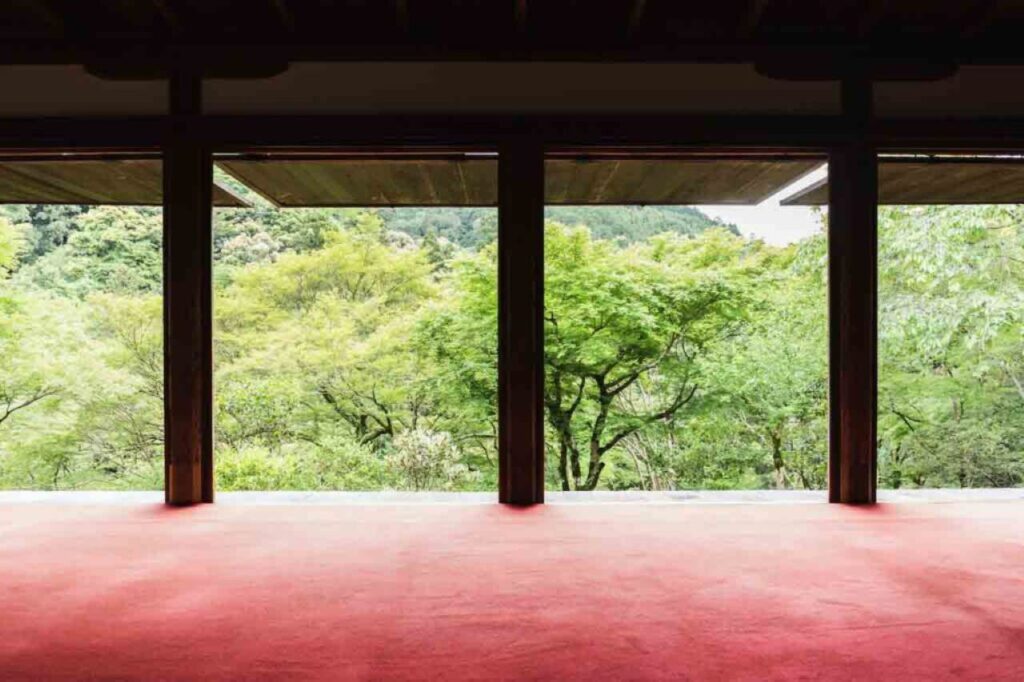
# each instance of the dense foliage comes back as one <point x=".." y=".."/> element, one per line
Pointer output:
<point x="357" y="350"/>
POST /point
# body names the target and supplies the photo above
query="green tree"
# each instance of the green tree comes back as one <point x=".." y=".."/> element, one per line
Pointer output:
<point x="768" y="392"/>
<point x="622" y="321"/>
<point x="10" y="246"/>
<point x="950" y="335"/>
<point x="110" y="249"/>
<point x="48" y="226"/>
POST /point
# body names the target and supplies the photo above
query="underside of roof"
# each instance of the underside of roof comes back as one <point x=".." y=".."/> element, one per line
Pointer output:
<point x="945" y="180"/>
<point x="688" y="181"/>
<point x="133" y="182"/>
<point x="472" y="181"/>
<point x="370" y="182"/>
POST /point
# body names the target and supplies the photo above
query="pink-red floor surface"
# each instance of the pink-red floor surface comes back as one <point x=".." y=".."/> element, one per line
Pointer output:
<point x="587" y="591"/>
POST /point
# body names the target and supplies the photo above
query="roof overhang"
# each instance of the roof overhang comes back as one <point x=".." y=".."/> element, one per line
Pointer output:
<point x="935" y="180"/>
<point x="117" y="181"/>
<point x="471" y="180"/>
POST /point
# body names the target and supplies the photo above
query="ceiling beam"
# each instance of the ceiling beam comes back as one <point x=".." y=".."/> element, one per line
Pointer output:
<point x="751" y="19"/>
<point x="978" y="17"/>
<point x="284" y="14"/>
<point x="402" y="16"/>
<point x="636" y="17"/>
<point x="50" y="15"/>
<point x="873" y="13"/>
<point x="520" y="16"/>
<point x="25" y="50"/>
<point x="169" y="16"/>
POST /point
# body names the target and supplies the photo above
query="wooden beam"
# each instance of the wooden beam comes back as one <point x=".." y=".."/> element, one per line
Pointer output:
<point x="280" y="8"/>
<point x="763" y="133"/>
<point x="852" y="284"/>
<point x="482" y="47"/>
<point x="752" y="19"/>
<point x="977" y="19"/>
<point x="169" y="17"/>
<point x="521" y="322"/>
<point x="636" y="17"/>
<point x="402" y="16"/>
<point x="872" y="13"/>
<point x="789" y="132"/>
<point x="520" y="17"/>
<point x="47" y="13"/>
<point x="188" y="301"/>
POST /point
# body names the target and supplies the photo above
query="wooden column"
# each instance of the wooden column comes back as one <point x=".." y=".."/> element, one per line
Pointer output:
<point x="188" y="304"/>
<point x="852" y="270"/>
<point x="521" y="322"/>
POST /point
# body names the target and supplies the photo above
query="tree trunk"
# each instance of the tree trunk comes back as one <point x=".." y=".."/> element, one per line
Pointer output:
<point x="563" y="465"/>
<point x="593" y="476"/>
<point x="777" y="461"/>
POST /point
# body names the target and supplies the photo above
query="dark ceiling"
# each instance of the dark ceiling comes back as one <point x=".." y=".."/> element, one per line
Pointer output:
<point x="39" y="31"/>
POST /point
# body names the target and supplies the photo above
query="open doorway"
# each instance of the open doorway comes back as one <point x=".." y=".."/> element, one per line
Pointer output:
<point x="950" y="334"/>
<point x="355" y="322"/>
<point x="686" y="332"/>
<point x="81" y="321"/>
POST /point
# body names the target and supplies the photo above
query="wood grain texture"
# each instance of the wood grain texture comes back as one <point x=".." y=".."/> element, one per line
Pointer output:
<point x="370" y="181"/>
<point x="944" y="180"/>
<point x="852" y="303"/>
<point x="471" y="182"/>
<point x="853" y="357"/>
<point x="521" y="323"/>
<point x="739" y="181"/>
<point x="188" y="305"/>
<point x="129" y="182"/>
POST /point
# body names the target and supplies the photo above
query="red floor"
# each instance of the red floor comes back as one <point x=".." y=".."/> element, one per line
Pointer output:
<point x="628" y="591"/>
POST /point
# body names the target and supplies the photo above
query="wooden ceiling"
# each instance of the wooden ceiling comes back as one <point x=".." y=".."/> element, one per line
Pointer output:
<point x="370" y="182"/>
<point x="743" y="181"/>
<point x="133" y="182"/>
<point x="936" y="181"/>
<point x="726" y="30"/>
<point x="473" y="181"/>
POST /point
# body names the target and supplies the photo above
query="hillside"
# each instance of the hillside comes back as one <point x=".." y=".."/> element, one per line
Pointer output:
<point x="473" y="227"/>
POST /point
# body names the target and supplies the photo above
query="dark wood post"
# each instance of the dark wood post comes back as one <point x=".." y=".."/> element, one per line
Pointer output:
<point x="188" y="304"/>
<point x="521" y="322"/>
<point x="852" y="271"/>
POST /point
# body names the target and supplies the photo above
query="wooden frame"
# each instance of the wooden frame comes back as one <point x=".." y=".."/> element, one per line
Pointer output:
<point x="188" y="139"/>
<point x="188" y="301"/>
<point x="763" y="133"/>
<point x="852" y="285"/>
<point x="521" y="322"/>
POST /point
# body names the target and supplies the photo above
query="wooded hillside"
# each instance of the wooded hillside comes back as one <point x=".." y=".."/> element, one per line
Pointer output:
<point x="356" y="350"/>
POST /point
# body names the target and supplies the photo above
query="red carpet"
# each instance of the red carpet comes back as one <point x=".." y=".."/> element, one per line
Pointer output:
<point x="629" y="591"/>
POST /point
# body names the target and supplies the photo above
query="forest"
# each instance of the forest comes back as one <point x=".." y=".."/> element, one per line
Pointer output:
<point x="356" y="350"/>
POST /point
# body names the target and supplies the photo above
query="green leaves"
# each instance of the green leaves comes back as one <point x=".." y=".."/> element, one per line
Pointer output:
<point x="950" y="345"/>
<point x="11" y="244"/>
<point x="111" y="249"/>
<point x="358" y="349"/>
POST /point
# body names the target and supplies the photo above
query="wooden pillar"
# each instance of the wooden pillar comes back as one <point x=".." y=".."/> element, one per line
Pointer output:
<point x="521" y="322"/>
<point x="188" y="304"/>
<point x="852" y="270"/>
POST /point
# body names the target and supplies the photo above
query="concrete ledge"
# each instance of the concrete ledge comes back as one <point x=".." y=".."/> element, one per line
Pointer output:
<point x="553" y="497"/>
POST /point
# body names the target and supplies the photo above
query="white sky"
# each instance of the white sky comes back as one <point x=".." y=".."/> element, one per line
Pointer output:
<point x="779" y="225"/>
